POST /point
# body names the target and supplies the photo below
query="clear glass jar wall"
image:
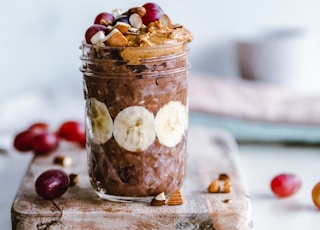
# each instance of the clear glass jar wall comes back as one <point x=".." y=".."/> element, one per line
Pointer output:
<point x="136" y="119"/>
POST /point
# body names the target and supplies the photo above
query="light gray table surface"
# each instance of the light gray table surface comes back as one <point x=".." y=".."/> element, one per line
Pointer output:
<point x="259" y="163"/>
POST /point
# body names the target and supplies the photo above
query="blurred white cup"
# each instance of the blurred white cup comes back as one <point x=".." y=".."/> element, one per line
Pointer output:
<point x="281" y="56"/>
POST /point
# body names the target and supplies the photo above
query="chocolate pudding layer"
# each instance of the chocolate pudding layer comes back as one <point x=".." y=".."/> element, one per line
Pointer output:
<point x="136" y="118"/>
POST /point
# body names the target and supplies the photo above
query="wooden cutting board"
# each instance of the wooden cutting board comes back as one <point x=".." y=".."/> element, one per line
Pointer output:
<point x="210" y="152"/>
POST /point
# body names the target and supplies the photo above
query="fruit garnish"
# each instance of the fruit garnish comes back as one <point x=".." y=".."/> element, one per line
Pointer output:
<point x="99" y="121"/>
<point x="73" y="131"/>
<point x="153" y="13"/>
<point x="92" y="30"/>
<point x="134" y="128"/>
<point x="285" y="185"/>
<point x="104" y="18"/>
<point x="39" y="127"/>
<point x="171" y="123"/>
<point x="23" y="140"/>
<point x="316" y="195"/>
<point x="52" y="184"/>
<point x="45" y="143"/>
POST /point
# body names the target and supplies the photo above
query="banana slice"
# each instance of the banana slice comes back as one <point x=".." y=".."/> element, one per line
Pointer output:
<point x="134" y="128"/>
<point x="99" y="121"/>
<point x="171" y="123"/>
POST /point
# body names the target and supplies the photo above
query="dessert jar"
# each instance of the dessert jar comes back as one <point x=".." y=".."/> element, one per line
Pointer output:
<point x="136" y="119"/>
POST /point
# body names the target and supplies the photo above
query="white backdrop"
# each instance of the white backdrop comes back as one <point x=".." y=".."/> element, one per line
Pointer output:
<point x="40" y="41"/>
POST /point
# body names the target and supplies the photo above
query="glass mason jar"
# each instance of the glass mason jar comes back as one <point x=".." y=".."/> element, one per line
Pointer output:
<point x="136" y="119"/>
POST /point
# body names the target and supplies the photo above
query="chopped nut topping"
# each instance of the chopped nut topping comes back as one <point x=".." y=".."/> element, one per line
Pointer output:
<point x="175" y="198"/>
<point x="141" y="11"/>
<point x="116" y="38"/>
<point x="122" y="27"/>
<point x="136" y="21"/>
<point x="117" y="12"/>
<point x="165" y="20"/>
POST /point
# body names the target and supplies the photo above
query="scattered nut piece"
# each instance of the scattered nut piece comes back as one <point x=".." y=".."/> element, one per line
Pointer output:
<point x="175" y="198"/>
<point x="116" y="38"/>
<point x="165" y="20"/>
<point x="227" y="200"/>
<point x="158" y="200"/>
<point x="214" y="186"/>
<point x="3" y="151"/>
<point x="62" y="160"/>
<point x="74" y="179"/>
<point x="136" y="21"/>
<point x="223" y="176"/>
<point x="141" y="11"/>
<point x="227" y="187"/>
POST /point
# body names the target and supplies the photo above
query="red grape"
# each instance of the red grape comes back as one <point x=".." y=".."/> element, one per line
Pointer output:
<point x="52" y="184"/>
<point x="285" y="185"/>
<point x="39" y="127"/>
<point x="104" y="18"/>
<point x="73" y="131"/>
<point x="316" y="195"/>
<point x="23" y="140"/>
<point x="92" y="30"/>
<point x="153" y="13"/>
<point x="45" y="142"/>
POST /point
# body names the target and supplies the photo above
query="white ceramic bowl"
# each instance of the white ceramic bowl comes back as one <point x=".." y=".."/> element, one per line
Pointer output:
<point x="279" y="56"/>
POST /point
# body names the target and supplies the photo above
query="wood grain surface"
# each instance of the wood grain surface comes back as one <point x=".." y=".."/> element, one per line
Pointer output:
<point x="210" y="152"/>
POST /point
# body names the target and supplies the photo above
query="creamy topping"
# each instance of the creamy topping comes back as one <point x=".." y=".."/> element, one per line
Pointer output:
<point x="156" y="34"/>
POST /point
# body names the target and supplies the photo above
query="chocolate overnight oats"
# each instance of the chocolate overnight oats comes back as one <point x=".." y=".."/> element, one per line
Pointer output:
<point x="135" y="68"/>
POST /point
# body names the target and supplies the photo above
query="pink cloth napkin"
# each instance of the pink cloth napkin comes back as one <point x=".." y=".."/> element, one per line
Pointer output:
<point x="252" y="101"/>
